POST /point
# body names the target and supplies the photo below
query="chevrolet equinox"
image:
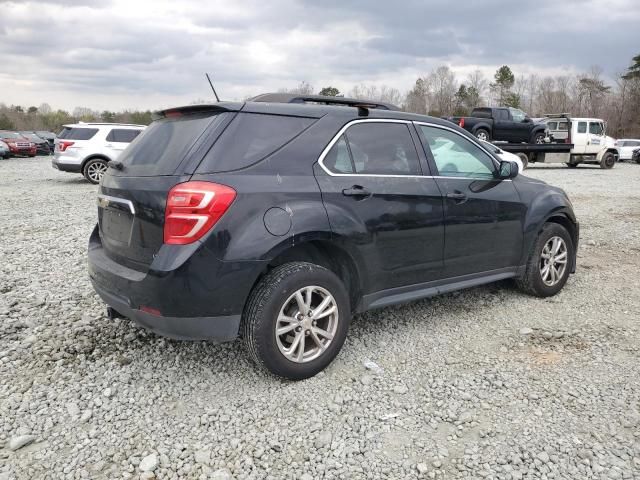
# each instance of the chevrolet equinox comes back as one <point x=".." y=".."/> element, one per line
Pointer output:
<point x="277" y="219"/>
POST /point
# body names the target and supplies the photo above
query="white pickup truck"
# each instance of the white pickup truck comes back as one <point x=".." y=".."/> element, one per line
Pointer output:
<point x="573" y="141"/>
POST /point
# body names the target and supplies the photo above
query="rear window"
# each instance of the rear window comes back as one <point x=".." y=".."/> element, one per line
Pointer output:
<point x="77" y="133"/>
<point x="251" y="137"/>
<point x="164" y="144"/>
<point x="122" y="135"/>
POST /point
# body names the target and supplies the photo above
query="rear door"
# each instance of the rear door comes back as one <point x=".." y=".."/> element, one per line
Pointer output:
<point x="520" y="127"/>
<point x="118" y="139"/>
<point x="502" y="125"/>
<point x="484" y="216"/>
<point x="380" y="206"/>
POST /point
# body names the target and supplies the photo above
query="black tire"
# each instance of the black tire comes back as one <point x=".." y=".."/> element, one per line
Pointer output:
<point x="608" y="161"/>
<point x="524" y="158"/>
<point x="268" y="297"/>
<point x="91" y="166"/>
<point x="483" y="134"/>
<point x="572" y="165"/>
<point x="538" y="138"/>
<point x="531" y="282"/>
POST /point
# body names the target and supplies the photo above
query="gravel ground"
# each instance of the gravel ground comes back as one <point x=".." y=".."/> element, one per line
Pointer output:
<point x="486" y="382"/>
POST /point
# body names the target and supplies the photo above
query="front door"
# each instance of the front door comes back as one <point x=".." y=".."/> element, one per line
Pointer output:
<point x="380" y="206"/>
<point x="596" y="139"/>
<point x="483" y="215"/>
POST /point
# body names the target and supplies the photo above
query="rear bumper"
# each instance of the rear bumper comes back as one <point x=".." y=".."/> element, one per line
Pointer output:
<point x="220" y="328"/>
<point x="186" y="294"/>
<point x="66" y="167"/>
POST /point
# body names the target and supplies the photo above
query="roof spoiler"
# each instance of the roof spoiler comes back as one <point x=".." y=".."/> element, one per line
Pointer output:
<point x="361" y="105"/>
<point x="189" y="110"/>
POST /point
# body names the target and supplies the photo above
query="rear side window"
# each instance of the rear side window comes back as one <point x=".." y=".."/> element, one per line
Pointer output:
<point x="552" y="125"/>
<point x="163" y="145"/>
<point x="251" y="137"/>
<point x="563" y="126"/>
<point x="77" y="133"/>
<point x="122" y="135"/>
<point x="582" y="127"/>
<point x="374" y="148"/>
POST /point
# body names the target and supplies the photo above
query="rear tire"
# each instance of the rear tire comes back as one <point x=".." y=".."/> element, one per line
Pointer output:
<point x="608" y="161"/>
<point x="94" y="170"/>
<point x="544" y="283"/>
<point x="483" y="134"/>
<point x="538" y="138"/>
<point x="274" y="305"/>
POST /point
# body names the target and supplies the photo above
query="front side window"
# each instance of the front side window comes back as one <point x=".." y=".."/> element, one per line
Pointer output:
<point x="563" y="126"/>
<point x="582" y="127"/>
<point x="456" y="156"/>
<point x="596" y="128"/>
<point x="374" y="148"/>
<point x="517" y="115"/>
<point x="552" y="125"/>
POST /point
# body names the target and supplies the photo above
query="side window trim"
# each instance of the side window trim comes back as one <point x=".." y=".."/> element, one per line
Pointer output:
<point x="432" y="164"/>
<point x="344" y="128"/>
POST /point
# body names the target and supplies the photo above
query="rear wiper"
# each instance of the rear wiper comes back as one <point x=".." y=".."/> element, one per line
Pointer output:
<point x="116" y="164"/>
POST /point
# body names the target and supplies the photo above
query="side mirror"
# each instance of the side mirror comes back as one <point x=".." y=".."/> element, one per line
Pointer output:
<point x="507" y="170"/>
<point x="527" y="120"/>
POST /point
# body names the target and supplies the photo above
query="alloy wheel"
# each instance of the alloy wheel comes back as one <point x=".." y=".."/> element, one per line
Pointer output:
<point x="95" y="171"/>
<point x="553" y="261"/>
<point x="306" y="324"/>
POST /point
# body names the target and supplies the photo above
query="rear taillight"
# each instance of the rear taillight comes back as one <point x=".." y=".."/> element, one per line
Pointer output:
<point x="193" y="208"/>
<point x="63" y="145"/>
<point x="461" y="123"/>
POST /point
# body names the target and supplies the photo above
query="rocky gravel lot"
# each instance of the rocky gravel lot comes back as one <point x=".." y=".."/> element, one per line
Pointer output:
<point x="485" y="383"/>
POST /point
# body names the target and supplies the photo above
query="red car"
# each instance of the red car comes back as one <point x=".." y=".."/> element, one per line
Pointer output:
<point x="18" y="145"/>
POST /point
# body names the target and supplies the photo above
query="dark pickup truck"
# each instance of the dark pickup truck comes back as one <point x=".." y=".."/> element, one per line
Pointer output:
<point x="502" y="124"/>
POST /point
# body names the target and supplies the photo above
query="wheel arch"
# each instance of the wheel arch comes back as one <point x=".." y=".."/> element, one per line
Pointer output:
<point x="323" y="252"/>
<point x="562" y="218"/>
<point x="99" y="156"/>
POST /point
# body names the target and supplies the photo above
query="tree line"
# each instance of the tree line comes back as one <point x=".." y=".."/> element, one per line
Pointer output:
<point x="438" y="93"/>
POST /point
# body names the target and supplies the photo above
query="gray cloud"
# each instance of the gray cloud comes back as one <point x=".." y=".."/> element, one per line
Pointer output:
<point x="112" y="53"/>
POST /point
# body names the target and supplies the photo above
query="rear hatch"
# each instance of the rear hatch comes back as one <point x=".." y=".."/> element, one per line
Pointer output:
<point x="132" y="199"/>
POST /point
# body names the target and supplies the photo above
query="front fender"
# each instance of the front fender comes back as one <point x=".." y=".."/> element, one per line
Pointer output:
<point x="602" y="153"/>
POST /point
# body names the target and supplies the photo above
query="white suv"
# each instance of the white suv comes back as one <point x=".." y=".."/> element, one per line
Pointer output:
<point x="87" y="148"/>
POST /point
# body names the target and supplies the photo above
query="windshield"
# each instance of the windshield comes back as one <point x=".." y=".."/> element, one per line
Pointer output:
<point x="10" y="135"/>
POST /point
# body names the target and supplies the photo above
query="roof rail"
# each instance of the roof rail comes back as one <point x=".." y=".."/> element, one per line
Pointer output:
<point x="557" y="115"/>
<point x="323" y="100"/>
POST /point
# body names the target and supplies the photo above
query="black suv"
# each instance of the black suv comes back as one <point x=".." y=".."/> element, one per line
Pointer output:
<point x="277" y="219"/>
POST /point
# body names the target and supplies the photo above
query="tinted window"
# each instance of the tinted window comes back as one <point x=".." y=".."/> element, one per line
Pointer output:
<point x="456" y="156"/>
<point x="552" y="125"/>
<point x="163" y="145"/>
<point x="338" y="160"/>
<point x="563" y="126"/>
<point x="379" y="148"/>
<point x="481" y="112"/>
<point x="122" y="135"/>
<point x="517" y="115"/>
<point x="582" y="127"/>
<point x="596" y="128"/>
<point x="78" y="133"/>
<point x="251" y="137"/>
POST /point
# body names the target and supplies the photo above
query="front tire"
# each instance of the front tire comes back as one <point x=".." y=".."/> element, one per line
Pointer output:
<point x="296" y="320"/>
<point x="549" y="263"/>
<point x="608" y="161"/>
<point x="94" y="170"/>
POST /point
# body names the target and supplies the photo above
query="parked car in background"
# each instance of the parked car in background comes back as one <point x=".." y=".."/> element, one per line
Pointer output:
<point x="278" y="221"/>
<point x="4" y="150"/>
<point x="42" y="145"/>
<point x="636" y="155"/>
<point x="505" y="124"/>
<point x="48" y="136"/>
<point x="18" y="144"/>
<point x="87" y="148"/>
<point x="626" y="147"/>
<point x="511" y="157"/>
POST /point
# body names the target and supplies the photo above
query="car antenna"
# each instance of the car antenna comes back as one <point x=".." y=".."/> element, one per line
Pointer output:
<point x="214" y="90"/>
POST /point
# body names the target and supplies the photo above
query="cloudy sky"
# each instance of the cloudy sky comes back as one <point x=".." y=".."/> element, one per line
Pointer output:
<point x="116" y="54"/>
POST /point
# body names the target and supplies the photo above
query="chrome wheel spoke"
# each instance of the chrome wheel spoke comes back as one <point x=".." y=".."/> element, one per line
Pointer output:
<point x="306" y="324"/>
